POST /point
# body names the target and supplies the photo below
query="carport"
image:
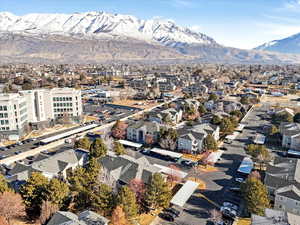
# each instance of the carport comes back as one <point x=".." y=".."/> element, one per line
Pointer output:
<point x="259" y="139"/>
<point x="232" y="136"/>
<point x="130" y="144"/>
<point x="246" y="166"/>
<point x="170" y="171"/>
<point x="174" y="155"/>
<point x="240" y="127"/>
<point x="184" y="193"/>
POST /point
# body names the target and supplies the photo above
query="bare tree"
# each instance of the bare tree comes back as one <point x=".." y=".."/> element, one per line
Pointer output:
<point x="215" y="216"/>
<point x="11" y="206"/>
<point x="174" y="176"/>
<point x="138" y="187"/>
<point x="168" y="143"/>
<point x="47" y="211"/>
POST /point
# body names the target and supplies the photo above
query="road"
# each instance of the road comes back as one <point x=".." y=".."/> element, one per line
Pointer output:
<point x="195" y="211"/>
<point x="30" y="149"/>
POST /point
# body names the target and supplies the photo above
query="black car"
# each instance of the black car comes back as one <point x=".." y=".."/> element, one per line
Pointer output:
<point x="3" y="156"/>
<point x="173" y="211"/>
<point x="167" y="216"/>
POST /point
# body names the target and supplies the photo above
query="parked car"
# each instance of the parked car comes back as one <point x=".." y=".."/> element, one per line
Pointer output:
<point x="173" y="211"/>
<point x="223" y="148"/>
<point x="167" y="216"/>
<point x="18" y="152"/>
<point x="19" y="143"/>
<point x="188" y="163"/>
<point x="235" y="189"/>
<point x="3" y="156"/>
<point x="226" y="211"/>
<point x="240" y="180"/>
<point x="230" y="205"/>
<point x="3" y="148"/>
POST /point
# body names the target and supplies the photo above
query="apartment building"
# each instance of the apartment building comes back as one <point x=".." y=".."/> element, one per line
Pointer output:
<point x="37" y="107"/>
<point x="66" y="101"/>
<point x="13" y="114"/>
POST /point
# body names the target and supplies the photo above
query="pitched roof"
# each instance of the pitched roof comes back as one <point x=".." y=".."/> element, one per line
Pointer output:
<point x="85" y="218"/>
<point x="126" y="168"/>
<point x="51" y="164"/>
<point x="290" y="129"/>
<point x="282" y="173"/>
<point x="290" y="191"/>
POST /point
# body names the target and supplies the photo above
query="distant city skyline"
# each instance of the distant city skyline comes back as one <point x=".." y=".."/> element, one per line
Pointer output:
<point x="235" y="23"/>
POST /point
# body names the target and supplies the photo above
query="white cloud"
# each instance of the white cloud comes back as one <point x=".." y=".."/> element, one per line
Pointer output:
<point x="292" y="5"/>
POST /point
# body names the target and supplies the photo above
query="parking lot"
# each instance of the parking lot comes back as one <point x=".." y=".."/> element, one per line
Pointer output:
<point x="109" y="112"/>
<point x="218" y="184"/>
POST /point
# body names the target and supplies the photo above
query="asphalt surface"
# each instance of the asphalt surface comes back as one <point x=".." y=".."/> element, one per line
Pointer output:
<point x="33" y="144"/>
<point x="218" y="184"/>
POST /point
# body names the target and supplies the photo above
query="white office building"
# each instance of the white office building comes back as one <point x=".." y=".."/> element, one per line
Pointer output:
<point x="37" y="107"/>
<point x="13" y="114"/>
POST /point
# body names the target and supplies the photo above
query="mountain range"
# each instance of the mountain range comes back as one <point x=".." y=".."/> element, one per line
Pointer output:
<point x="287" y="45"/>
<point x="96" y="37"/>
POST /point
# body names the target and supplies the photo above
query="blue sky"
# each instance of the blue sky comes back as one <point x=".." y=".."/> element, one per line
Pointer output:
<point x="236" y="23"/>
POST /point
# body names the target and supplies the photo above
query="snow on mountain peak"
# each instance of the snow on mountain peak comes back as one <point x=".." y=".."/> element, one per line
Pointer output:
<point x="98" y="24"/>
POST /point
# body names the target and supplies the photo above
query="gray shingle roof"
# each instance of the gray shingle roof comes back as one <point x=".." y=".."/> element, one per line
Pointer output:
<point x="85" y="218"/>
<point x="126" y="168"/>
<point x="290" y="191"/>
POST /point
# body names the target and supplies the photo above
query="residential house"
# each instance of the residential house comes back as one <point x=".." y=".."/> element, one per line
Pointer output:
<point x="290" y="135"/>
<point x="171" y="114"/>
<point x="120" y="170"/>
<point x="282" y="180"/>
<point x="195" y="90"/>
<point x="140" y="130"/>
<point x="85" y="218"/>
<point x="288" y="199"/>
<point x="166" y="86"/>
<point x="58" y="165"/>
<point x="275" y="217"/>
<point x="191" y="139"/>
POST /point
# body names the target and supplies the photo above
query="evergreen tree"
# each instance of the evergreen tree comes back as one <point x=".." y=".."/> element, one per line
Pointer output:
<point x="244" y="100"/>
<point x="119" y="148"/>
<point x="226" y="125"/>
<point x="273" y="130"/>
<point x="57" y="191"/>
<point x="34" y="192"/>
<point x="236" y="113"/>
<point x="202" y="110"/>
<point x="297" y="118"/>
<point x="83" y="143"/>
<point x="103" y="199"/>
<point x="210" y="143"/>
<point x="127" y="199"/>
<point x="77" y="180"/>
<point x="213" y="97"/>
<point x="256" y="196"/>
<point x="92" y="171"/>
<point x="216" y="120"/>
<point x="158" y="193"/>
<point x="98" y="149"/>
<point x="3" y="184"/>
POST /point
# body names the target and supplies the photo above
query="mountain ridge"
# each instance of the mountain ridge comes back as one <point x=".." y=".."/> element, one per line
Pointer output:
<point x="94" y="37"/>
<point x="289" y="44"/>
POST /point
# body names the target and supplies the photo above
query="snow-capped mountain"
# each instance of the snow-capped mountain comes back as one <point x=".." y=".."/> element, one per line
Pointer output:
<point x="95" y="37"/>
<point x="101" y="24"/>
<point x="287" y="45"/>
